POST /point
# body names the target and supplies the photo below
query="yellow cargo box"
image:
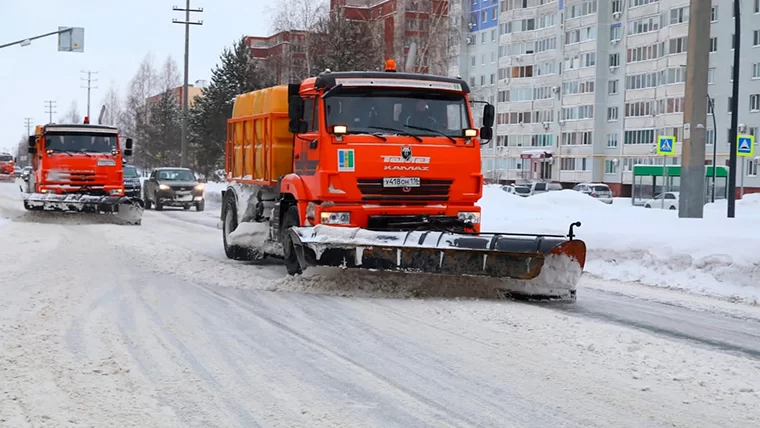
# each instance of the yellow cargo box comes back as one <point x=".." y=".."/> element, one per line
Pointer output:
<point x="259" y="147"/>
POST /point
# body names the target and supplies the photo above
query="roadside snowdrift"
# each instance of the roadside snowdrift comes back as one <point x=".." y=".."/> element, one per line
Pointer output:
<point x="714" y="255"/>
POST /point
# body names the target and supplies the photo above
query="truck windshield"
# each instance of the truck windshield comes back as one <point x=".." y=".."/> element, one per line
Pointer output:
<point x="5" y="158"/>
<point x="80" y="143"/>
<point x="176" y="175"/>
<point x="130" y="172"/>
<point x="422" y="113"/>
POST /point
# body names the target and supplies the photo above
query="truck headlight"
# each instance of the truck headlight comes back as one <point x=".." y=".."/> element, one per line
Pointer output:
<point x="335" y="218"/>
<point x="163" y="187"/>
<point x="469" y="217"/>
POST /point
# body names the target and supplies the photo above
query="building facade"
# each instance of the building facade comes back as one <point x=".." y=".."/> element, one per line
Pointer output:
<point x="193" y="91"/>
<point x="283" y="54"/>
<point x="583" y="88"/>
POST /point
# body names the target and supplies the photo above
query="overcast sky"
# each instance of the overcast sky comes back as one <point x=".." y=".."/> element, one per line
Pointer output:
<point x="118" y="34"/>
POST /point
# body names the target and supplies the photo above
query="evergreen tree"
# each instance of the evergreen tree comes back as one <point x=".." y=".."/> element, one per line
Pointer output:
<point x="164" y="131"/>
<point x="235" y="74"/>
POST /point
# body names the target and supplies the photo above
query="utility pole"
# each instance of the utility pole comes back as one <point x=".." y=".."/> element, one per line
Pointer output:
<point x="692" y="199"/>
<point x="49" y="109"/>
<point x="28" y="123"/>
<point x="734" y="113"/>
<point x="187" y="23"/>
<point x="89" y="87"/>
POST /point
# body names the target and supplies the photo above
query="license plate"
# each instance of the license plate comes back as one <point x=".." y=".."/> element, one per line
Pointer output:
<point x="185" y="198"/>
<point x="401" y="182"/>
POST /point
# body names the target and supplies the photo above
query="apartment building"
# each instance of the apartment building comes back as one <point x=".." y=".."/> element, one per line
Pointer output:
<point x="584" y="87"/>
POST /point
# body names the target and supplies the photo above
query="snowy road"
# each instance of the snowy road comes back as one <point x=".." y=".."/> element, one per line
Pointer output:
<point x="104" y="325"/>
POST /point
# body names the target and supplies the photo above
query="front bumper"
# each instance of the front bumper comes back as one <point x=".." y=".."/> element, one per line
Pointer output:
<point x="133" y="191"/>
<point x="173" y="198"/>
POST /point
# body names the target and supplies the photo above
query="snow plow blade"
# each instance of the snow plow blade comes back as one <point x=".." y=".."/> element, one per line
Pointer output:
<point x="556" y="261"/>
<point x="126" y="210"/>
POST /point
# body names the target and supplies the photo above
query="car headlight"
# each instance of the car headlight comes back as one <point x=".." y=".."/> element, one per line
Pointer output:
<point x="199" y="187"/>
<point x="469" y="217"/>
<point x="335" y="218"/>
<point x="115" y="191"/>
<point x="163" y="187"/>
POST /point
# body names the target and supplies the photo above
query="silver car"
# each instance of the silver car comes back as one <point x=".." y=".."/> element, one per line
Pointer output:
<point x="599" y="191"/>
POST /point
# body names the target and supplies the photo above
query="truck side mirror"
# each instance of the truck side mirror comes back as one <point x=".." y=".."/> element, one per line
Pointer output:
<point x="32" y="140"/>
<point x="486" y="133"/>
<point x="128" y="147"/>
<point x="295" y="114"/>
<point x="489" y="112"/>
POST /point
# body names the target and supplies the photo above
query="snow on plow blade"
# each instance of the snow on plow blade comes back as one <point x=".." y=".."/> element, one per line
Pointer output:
<point x="125" y="210"/>
<point x="499" y="255"/>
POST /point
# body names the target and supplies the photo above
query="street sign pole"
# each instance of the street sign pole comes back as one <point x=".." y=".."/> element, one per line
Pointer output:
<point x="745" y="147"/>
<point x="666" y="146"/>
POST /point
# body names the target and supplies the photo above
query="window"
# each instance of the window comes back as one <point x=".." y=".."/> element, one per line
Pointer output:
<point x="612" y="140"/>
<point x="583" y="138"/>
<point x="578" y="112"/>
<point x="756" y="69"/>
<point x="709" y="136"/>
<point x="757" y="6"/>
<point x="612" y="87"/>
<point x="576" y="87"/>
<point x="581" y="9"/>
<point x="635" y="3"/>
<point x="679" y="15"/>
<point x="472" y="61"/>
<point x="639" y="136"/>
<point x="640" y="109"/>
<point x="612" y="113"/>
<point x="710" y="105"/>
<point x="610" y="167"/>
<point x="616" y="31"/>
<point x="751" y="167"/>
<point x="678" y="45"/>
<point x="730" y="107"/>
<point x="617" y="6"/>
<point x="713" y="44"/>
<point x="756" y="38"/>
<point x="580" y="35"/>
<point x="644" y="25"/>
<point x="754" y="102"/>
<point x="711" y="75"/>
<point x="643" y="53"/>
<point x="714" y="14"/>
<point x="614" y="60"/>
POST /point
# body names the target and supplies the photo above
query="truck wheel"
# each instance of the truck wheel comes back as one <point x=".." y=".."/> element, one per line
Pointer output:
<point x="200" y="206"/>
<point x="291" y="261"/>
<point x="229" y="224"/>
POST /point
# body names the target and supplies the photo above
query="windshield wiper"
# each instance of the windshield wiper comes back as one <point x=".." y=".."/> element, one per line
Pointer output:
<point x="432" y="130"/>
<point x="374" y="134"/>
<point x="399" y="131"/>
<point x="84" y="152"/>
<point x="61" y="150"/>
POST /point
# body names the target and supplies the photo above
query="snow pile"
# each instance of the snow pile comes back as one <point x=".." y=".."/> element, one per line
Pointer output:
<point x="213" y="192"/>
<point x="714" y="255"/>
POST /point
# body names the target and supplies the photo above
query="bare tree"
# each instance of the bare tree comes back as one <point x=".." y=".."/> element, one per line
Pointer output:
<point x="169" y="75"/>
<point x="112" y="103"/>
<point x="133" y="118"/>
<point x="72" y="114"/>
<point x="434" y="29"/>
<point x="22" y="152"/>
<point x="301" y="18"/>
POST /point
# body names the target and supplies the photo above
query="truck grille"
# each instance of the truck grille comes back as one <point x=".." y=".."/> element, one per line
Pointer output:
<point x="430" y="190"/>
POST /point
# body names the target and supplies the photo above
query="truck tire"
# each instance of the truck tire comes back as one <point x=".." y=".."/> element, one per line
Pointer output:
<point x="147" y="201"/>
<point x="291" y="261"/>
<point x="229" y="224"/>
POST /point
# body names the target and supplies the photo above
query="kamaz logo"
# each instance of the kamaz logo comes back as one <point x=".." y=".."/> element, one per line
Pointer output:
<point x="406" y="168"/>
<point x="410" y="159"/>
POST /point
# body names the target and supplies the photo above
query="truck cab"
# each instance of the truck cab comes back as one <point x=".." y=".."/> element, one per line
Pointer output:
<point x="7" y="167"/>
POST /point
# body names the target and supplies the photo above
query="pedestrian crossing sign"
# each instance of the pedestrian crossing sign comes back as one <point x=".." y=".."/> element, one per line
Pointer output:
<point x="745" y="145"/>
<point x="666" y="145"/>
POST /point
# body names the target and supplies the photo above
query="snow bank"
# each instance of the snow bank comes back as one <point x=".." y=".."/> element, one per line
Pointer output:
<point x="713" y="255"/>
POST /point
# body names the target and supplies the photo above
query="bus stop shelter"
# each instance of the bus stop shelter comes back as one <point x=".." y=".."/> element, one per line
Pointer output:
<point x="651" y="180"/>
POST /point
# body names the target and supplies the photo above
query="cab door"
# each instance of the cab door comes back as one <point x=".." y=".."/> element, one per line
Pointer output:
<point x="306" y="150"/>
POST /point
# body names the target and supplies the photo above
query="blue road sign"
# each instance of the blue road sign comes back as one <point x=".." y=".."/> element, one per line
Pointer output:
<point x="666" y="145"/>
<point x="745" y="145"/>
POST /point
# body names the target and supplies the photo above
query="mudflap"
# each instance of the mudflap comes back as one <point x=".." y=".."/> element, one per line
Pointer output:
<point x="125" y="210"/>
<point x="521" y="265"/>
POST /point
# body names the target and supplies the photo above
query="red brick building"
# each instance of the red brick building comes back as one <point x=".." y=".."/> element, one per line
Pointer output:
<point x="283" y="54"/>
<point x="404" y="23"/>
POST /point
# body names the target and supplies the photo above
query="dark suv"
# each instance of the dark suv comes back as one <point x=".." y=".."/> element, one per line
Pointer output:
<point x="173" y="187"/>
<point x="132" y="185"/>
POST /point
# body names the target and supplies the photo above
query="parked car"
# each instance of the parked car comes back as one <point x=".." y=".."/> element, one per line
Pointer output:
<point x="518" y="190"/>
<point x="670" y="202"/>
<point x="173" y="187"/>
<point x="17" y="171"/>
<point x="537" y="187"/>
<point x="132" y="184"/>
<point x="599" y="191"/>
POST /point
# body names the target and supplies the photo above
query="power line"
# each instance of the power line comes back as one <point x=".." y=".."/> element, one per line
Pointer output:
<point x="49" y="109"/>
<point x="89" y="86"/>
<point x="186" y="23"/>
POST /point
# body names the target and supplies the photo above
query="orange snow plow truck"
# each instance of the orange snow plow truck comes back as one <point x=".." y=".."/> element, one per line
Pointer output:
<point x="376" y="170"/>
<point x="7" y="167"/>
<point x="79" y="168"/>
